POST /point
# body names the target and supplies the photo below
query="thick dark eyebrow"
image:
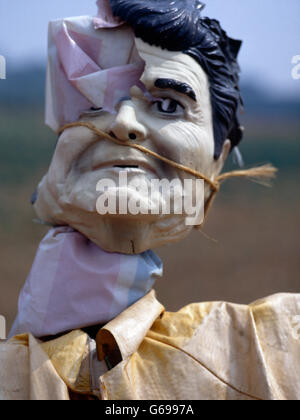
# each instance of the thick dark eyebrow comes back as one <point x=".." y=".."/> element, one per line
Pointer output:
<point x="178" y="86"/>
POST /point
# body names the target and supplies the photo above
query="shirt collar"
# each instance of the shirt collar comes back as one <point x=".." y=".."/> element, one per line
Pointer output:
<point x="121" y="337"/>
<point x="80" y="361"/>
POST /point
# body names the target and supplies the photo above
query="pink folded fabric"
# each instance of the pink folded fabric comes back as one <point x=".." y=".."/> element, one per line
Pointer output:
<point x="90" y="64"/>
<point x="74" y="284"/>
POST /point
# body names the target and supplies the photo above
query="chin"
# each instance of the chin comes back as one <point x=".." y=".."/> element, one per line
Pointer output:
<point x="132" y="236"/>
<point x="126" y="234"/>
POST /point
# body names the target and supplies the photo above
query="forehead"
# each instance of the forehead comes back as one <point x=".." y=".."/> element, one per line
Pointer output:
<point x="172" y="65"/>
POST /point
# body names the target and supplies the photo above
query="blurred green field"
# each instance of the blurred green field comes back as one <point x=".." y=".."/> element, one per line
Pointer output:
<point x="250" y="244"/>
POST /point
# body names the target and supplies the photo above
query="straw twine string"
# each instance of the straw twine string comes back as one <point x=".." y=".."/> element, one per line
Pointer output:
<point x="265" y="172"/>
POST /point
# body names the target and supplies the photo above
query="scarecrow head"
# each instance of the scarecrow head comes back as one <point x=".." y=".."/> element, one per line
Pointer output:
<point x="150" y="73"/>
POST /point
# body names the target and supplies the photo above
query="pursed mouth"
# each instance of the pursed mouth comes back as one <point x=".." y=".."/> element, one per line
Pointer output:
<point x="135" y="166"/>
<point x="127" y="166"/>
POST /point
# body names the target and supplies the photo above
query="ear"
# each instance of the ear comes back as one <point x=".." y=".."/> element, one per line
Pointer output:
<point x="219" y="164"/>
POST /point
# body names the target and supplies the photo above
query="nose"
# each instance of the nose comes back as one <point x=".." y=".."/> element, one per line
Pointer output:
<point x="126" y="125"/>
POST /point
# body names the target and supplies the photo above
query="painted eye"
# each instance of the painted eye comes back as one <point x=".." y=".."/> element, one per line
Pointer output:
<point x="92" y="112"/>
<point x="169" y="106"/>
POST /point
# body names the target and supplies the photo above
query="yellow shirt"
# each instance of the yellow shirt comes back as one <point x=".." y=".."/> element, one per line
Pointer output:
<point x="206" y="351"/>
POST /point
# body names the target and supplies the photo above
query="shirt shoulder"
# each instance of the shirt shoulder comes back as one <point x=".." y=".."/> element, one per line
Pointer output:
<point x="26" y="372"/>
<point x="253" y="349"/>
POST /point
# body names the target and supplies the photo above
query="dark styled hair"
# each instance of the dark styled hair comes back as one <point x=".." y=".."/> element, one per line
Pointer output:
<point x="177" y="25"/>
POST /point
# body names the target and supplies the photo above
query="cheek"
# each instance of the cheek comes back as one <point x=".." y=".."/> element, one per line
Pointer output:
<point x="73" y="143"/>
<point x="70" y="146"/>
<point x="187" y="143"/>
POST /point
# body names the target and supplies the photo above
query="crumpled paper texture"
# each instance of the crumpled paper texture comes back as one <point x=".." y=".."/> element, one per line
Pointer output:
<point x="92" y="62"/>
<point x="206" y="351"/>
<point x="75" y="284"/>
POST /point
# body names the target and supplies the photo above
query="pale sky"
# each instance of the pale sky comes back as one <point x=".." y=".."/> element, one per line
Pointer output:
<point x="270" y="30"/>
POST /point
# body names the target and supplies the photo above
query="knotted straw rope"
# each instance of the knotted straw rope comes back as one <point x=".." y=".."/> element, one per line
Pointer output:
<point x="266" y="172"/>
